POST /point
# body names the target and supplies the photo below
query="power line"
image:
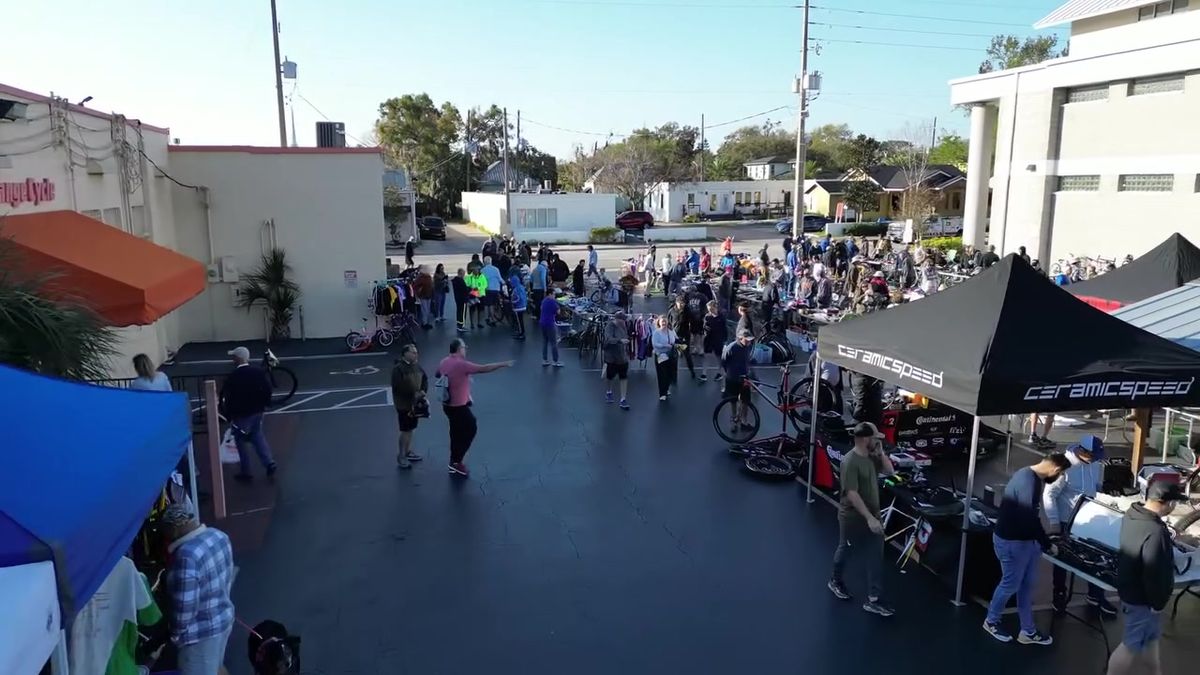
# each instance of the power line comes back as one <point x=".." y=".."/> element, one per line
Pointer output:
<point x="296" y="92"/>
<point x="743" y="119"/>
<point x="667" y="5"/>
<point x="889" y="29"/>
<point x="160" y="170"/>
<point x="572" y="131"/>
<point x="900" y="44"/>
<point x="918" y="16"/>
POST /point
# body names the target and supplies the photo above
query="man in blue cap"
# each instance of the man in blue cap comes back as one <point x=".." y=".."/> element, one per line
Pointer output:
<point x="1059" y="500"/>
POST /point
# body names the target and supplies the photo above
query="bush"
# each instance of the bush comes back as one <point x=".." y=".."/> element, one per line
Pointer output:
<point x="605" y="235"/>
<point x="944" y="244"/>
<point x="691" y="218"/>
<point x="866" y="229"/>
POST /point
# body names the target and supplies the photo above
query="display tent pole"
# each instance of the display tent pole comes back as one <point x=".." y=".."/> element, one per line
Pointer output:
<point x="191" y="455"/>
<point x="966" y="519"/>
<point x="812" y="422"/>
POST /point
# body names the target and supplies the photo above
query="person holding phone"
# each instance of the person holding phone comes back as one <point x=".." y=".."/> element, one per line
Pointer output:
<point x="860" y="531"/>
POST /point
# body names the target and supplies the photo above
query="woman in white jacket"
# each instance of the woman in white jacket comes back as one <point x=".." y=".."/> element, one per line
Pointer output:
<point x="662" y="341"/>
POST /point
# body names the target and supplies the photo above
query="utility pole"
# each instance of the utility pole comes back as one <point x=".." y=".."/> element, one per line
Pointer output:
<point x="507" y="200"/>
<point x="701" y="147"/>
<point x="801" y="147"/>
<point x="933" y="135"/>
<point x="518" y="157"/>
<point x="278" y="77"/>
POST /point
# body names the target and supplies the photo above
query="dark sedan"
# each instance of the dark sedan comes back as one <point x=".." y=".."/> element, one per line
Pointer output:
<point x="432" y="227"/>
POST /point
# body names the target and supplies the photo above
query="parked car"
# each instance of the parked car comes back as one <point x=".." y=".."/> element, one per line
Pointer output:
<point x="635" y="220"/>
<point x="784" y="226"/>
<point x="814" y="223"/>
<point x="432" y="227"/>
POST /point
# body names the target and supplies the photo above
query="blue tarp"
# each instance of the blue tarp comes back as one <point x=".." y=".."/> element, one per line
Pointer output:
<point x="80" y="467"/>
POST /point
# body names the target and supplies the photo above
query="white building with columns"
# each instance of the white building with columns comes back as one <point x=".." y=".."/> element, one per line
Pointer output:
<point x="1096" y="153"/>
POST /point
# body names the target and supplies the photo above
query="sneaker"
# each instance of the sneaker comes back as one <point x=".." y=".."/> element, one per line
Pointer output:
<point x="996" y="631"/>
<point x="718" y="377"/>
<point x="545" y="363"/>
<point x="839" y="591"/>
<point x="608" y="397"/>
<point x="414" y="457"/>
<point x="703" y="379"/>
<point x="1102" y="605"/>
<point x="877" y="607"/>
<point x="558" y="364"/>
<point x="624" y="405"/>
<point x="403" y="462"/>
<point x="458" y="469"/>
<point x="662" y="398"/>
<point x="1034" y="638"/>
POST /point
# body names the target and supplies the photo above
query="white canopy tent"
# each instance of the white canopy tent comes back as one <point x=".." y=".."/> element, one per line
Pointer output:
<point x="30" y="624"/>
<point x="1174" y="315"/>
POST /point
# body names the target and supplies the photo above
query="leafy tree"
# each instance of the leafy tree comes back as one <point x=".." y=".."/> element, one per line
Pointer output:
<point x="951" y="149"/>
<point x="862" y="196"/>
<point x="1010" y="51"/>
<point x="747" y="143"/>
<point x="420" y="137"/>
<point x="45" y="332"/>
<point x="863" y="153"/>
<point x="828" y="148"/>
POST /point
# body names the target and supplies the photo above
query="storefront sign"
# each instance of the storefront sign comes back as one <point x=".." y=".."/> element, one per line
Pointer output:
<point x="31" y="190"/>
<point x="351" y="278"/>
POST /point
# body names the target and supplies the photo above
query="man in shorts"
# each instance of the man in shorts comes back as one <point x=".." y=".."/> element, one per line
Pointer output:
<point x="735" y="359"/>
<point x="409" y="387"/>
<point x="1145" y="579"/>
<point x="491" y="297"/>
<point x="616" y="357"/>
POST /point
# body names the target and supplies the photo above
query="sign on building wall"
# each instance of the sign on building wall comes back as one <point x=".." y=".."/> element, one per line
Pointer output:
<point x="30" y="191"/>
<point x="350" y="277"/>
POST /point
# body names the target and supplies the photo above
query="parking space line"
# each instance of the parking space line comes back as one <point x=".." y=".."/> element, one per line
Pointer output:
<point x="293" y="404"/>
<point x="356" y="398"/>
<point x="344" y="407"/>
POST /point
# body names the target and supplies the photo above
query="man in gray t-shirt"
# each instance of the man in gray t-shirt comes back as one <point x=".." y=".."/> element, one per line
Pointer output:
<point x="616" y="357"/>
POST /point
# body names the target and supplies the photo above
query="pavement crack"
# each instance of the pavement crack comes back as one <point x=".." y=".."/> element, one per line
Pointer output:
<point x="678" y="542"/>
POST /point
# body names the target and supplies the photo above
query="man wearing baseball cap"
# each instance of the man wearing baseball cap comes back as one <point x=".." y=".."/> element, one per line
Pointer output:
<point x="245" y="395"/>
<point x="1059" y="500"/>
<point x="1145" y="578"/>
<point x="859" y="530"/>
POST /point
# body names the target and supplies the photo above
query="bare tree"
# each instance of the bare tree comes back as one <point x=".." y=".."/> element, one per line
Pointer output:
<point x="911" y="156"/>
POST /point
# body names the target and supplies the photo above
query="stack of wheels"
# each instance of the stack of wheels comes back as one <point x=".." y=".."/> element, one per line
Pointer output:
<point x="770" y="467"/>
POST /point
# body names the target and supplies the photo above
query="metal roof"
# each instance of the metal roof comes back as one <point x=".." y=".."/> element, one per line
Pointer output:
<point x="1174" y="315"/>
<point x="1074" y="10"/>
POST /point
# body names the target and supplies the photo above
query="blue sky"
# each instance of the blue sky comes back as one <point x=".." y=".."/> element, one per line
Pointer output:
<point x="595" y="66"/>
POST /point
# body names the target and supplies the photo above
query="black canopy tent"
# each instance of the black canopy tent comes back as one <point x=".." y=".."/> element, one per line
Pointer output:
<point x="1010" y="341"/>
<point x="1167" y="266"/>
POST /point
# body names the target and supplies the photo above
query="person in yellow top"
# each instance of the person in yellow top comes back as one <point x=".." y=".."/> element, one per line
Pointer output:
<point x="477" y="283"/>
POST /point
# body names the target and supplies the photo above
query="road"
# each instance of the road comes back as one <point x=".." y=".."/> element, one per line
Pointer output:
<point x="462" y="241"/>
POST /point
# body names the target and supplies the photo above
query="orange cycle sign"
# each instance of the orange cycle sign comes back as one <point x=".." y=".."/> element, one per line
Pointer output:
<point x="29" y="191"/>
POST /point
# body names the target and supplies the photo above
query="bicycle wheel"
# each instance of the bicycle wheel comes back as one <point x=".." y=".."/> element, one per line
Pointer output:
<point x="385" y="338"/>
<point x="770" y="466"/>
<point x="743" y="432"/>
<point x="356" y="341"/>
<point x="283" y="384"/>
<point x="802" y="391"/>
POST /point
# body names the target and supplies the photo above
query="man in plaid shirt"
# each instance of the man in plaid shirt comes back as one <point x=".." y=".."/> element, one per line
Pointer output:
<point x="199" y="578"/>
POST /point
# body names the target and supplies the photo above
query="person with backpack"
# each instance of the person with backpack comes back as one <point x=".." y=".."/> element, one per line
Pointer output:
<point x="616" y="358"/>
<point x="454" y="379"/>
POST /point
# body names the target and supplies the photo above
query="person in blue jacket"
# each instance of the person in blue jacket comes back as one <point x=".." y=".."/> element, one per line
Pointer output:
<point x="520" y="303"/>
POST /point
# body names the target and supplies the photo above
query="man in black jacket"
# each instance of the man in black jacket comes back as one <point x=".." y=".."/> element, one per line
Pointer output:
<point x="245" y="395"/>
<point x="681" y="320"/>
<point x="1145" y="578"/>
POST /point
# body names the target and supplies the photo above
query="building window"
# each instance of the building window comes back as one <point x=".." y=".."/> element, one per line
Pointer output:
<point x="113" y="217"/>
<point x="757" y="198"/>
<point x="1197" y="187"/>
<point x="1078" y="183"/>
<point x="712" y="202"/>
<point x="1085" y="94"/>
<point x="691" y="199"/>
<point x="737" y="199"/>
<point x="1156" y="85"/>
<point x="955" y="201"/>
<point x="1146" y="182"/>
<point x="1161" y="9"/>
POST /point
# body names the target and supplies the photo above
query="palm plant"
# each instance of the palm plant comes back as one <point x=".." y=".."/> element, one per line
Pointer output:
<point x="270" y="285"/>
<point x="46" y="332"/>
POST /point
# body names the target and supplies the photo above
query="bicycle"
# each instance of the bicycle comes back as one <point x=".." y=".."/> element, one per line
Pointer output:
<point x="590" y="339"/>
<point x="789" y="403"/>
<point x="364" y="339"/>
<point x="283" y="379"/>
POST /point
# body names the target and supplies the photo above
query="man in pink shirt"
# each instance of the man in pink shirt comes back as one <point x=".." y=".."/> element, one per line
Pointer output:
<point x="458" y="371"/>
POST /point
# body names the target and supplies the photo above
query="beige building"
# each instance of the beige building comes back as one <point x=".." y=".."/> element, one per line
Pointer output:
<point x="69" y="173"/>
<point x="1096" y="153"/>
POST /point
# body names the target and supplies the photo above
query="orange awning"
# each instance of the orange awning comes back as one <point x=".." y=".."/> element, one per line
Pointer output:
<point x="127" y="280"/>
